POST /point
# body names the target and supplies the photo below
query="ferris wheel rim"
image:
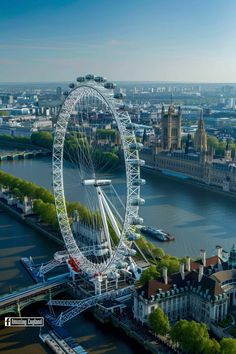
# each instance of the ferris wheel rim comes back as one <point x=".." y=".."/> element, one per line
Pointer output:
<point x="132" y="171"/>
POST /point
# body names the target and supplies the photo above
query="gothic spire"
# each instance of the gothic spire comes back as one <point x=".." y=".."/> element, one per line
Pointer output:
<point x="201" y="125"/>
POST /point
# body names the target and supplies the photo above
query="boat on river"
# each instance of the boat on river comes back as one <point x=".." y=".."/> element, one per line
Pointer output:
<point x="158" y="234"/>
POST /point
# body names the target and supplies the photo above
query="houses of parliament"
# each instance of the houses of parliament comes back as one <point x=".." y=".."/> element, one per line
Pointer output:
<point x="196" y="160"/>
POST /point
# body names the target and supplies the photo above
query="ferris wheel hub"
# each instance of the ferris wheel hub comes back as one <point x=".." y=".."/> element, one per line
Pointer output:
<point x="96" y="182"/>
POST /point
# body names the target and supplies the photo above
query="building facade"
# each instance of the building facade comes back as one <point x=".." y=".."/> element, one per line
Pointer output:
<point x="196" y="161"/>
<point x="203" y="290"/>
<point x="200" y="137"/>
<point x="171" y="128"/>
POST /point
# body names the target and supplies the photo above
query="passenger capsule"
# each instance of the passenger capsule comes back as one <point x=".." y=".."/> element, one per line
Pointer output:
<point x="122" y="264"/>
<point x="80" y="79"/>
<point x="99" y="79"/>
<point x="136" y="220"/>
<point x="119" y="96"/>
<point x="136" y="162"/>
<point x="131" y="236"/>
<point x="89" y="77"/>
<point x="72" y="85"/>
<point x="65" y="93"/>
<point x="123" y="107"/>
<point x="109" y="85"/>
<point x="135" y="146"/>
<point x="138" y="182"/>
<point x="137" y="201"/>
<point x="130" y="126"/>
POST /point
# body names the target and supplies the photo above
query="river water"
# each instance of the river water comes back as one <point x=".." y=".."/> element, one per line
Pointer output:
<point x="18" y="240"/>
<point x="198" y="218"/>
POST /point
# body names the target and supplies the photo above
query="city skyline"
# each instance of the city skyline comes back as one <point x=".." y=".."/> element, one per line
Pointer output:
<point x="175" y="41"/>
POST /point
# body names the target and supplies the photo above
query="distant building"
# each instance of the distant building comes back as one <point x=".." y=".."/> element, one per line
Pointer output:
<point x="7" y="99"/>
<point x="202" y="290"/>
<point x="15" y="131"/>
<point x="200" y="137"/>
<point x="59" y="91"/>
<point x="171" y="128"/>
<point x="196" y="161"/>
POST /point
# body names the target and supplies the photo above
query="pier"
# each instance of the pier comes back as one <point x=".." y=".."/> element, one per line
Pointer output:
<point x="61" y="345"/>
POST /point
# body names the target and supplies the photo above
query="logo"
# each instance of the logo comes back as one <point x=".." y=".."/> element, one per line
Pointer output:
<point x="24" y="321"/>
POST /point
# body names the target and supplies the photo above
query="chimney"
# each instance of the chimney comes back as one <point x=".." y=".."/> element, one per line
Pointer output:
<point x="200" y="274"/>
<point x="188" y="264"/>
<point x="219" y="252"/>
<point x="181" y="270"/>
<point x="165" y="276"/>
<point x="203" y="257"/>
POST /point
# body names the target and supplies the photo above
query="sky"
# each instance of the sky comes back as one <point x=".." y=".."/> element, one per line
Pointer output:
<point x="140" y="40"/>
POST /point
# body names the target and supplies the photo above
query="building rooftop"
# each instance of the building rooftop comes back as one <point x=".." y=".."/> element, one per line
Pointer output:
<point x="211" y="261"/>
<point x="207" y="285"/>
<point x="224" y="275"/>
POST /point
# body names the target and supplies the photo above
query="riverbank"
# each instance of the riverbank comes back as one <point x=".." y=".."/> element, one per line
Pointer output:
<point x="190" y="181"/>
<point x="133" y="330"/>
<point x="35" y="205"/>
<point x="16" y="240"/>
<point x="21" y="145"/>
<point x="31" y="221"/>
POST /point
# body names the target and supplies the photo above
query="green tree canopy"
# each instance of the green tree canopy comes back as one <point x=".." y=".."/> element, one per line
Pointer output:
<point x="158" y="252"/>
<point x="191" y="336"/>
<point x="228" y="346"/>
<point x="21" y="188"/>
<point x="106" y="134"/>
<point x="43" y="139"/>
<point x="159" y="322"/>
<point x="149" y="274"/>
<point x="172" y="264"/>
<point x="212" y="141"/>
<point x="14" y="139"/>
<point x="210" y="346"/>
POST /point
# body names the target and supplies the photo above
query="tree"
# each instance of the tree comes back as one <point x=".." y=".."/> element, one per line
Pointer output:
<point x="17" y="193"/>
<point x="172" y="264"/>
<point x="228" y="346"/>
<point x="47" y="212"/>
<point x="190" y="335"/>
<point x="4" y="113"/>
<point x="158" y="252"/>
<point x="211" y="346"/>
<point x="212" y="141"/>
<point x="149" y="274"/>
<point x="43" y="139"/>
<point x="159" y="322"/>
<point x="106" y="134"/>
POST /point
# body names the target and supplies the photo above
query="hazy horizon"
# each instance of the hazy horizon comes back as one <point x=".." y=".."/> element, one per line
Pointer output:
<point x="121" y="81"/>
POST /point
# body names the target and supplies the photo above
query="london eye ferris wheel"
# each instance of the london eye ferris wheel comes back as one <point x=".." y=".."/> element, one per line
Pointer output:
<point x="97" y="234"/>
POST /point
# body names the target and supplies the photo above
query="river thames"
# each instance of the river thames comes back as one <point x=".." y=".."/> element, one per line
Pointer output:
<point x="18" y="240"/>
<point x="198" y="218"/>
